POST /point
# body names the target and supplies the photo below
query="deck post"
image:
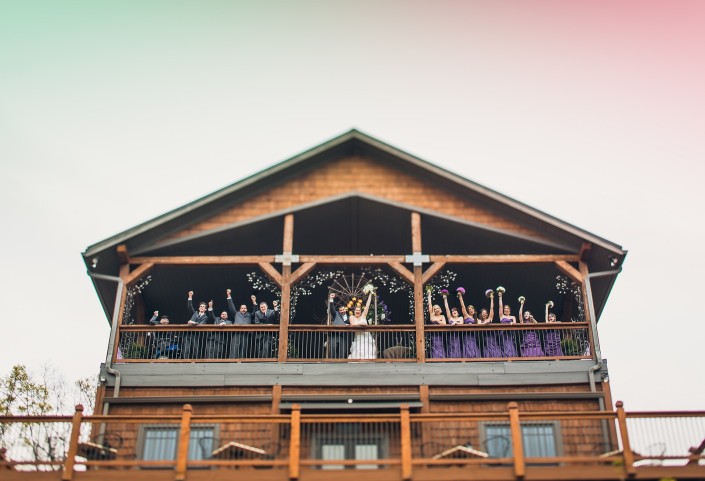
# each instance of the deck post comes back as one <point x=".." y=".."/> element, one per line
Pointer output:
<point x="405" y="443"/>
<point x="517" y="443"/>
<point x="184" y="439"/>
<point x="295" y="443"/>
<point x="627" y="452"/>
<point x="67" y="474"/>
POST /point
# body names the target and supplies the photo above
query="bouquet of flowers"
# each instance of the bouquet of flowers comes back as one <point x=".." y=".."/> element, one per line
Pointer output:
<point x="460" y="291"/>
<point x="549" y="304"/>
<point x="522" y="299"/>
<point x="444" y="292"/>
<point x="489" y="293"/>
<point x="368" y="288"/>
<point x="501" y="290"/>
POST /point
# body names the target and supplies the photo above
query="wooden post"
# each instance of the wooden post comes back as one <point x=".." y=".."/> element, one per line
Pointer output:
<point x="184" y="439"/>
<point x="288" y="245"/>
<point x="295" y="442"/>
<point x="517" y="443"/>
<point x="418" y="288"/>
<point x="624" y="435"/>
<point x="405" y="443"/>
<point x="67" y="475"/>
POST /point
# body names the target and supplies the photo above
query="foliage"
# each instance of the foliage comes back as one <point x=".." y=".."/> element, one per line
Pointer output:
<point x="566" y="286"/>
<point x="25" y="394"/>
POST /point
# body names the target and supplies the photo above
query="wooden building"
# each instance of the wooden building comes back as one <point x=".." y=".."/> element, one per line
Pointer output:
<point x="425" y="401"/>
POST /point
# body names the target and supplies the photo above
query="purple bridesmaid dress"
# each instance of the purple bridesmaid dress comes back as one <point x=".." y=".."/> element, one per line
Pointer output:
<point x="509" y="349"/>
<point x="470" y="347"/>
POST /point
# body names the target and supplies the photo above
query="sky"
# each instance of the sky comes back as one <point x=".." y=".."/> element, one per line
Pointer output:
<point x="112" y="113"/>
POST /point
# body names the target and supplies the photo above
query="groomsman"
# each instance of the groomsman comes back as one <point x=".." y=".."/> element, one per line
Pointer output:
<point x="239" y="341"/>
<point x="338" y="341"/>
<point x="191" y="339"/>
<point x="265" y="316"/>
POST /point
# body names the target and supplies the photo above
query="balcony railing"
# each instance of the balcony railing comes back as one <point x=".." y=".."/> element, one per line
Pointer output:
<point x="390" y="343"/>
<point x="502" y="445"/>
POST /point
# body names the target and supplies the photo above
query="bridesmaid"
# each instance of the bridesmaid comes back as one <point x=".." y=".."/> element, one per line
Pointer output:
<point x="469" y="345"/>
<point x="435" y="316"/>
<point x="493" y="346"/>
<point x="552" y="343"/>
<point x="531" y="344"/>
<point x="454" y="319"/>
<point x="509" y="349"/>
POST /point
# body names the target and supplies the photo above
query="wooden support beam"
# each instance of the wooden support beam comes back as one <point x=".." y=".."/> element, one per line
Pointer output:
<point x="418" y="315"/>
<point x="122" y="254"/>
<point x="585" y="251"/>
<point x="415" y="232"/>
<point x="273" y="274"/>
<point x="137" y="274"/>
<point x="361" y="260"/>
<point x="184" y="439"/>
<point x="569" y="271"/>
<point x="302" y="271"/>
<point x="284" y="314"/>
<point x="295" y="443"/>
<point x="288" y="234"/>
<point x="505" y="258"/>
<point x="67" y="474"/>
<point x="626" y="445"/>
<point x="517" y="441"/>
<point x="432" y="271"/>
<point x="202" y="260"/>
<point x="405" y="273"/>
<point x="405" y="432"/>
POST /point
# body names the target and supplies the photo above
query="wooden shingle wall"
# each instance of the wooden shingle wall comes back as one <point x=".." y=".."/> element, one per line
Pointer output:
<point x="360" y="174"/>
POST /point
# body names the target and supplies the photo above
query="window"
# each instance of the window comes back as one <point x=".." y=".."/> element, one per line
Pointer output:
<point x="539" y="440"/>
<point x="350" y="449"/>
<point x="159" y="443"/>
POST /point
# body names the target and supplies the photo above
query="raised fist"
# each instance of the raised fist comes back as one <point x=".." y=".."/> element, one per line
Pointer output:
<point x="332" y="295"/>
<point x="254" y="299"/>
<point x="275" y="303"/>
<point x="190" y="294"/>
<point x="210" y="304"/>
<point x="156" y="313"/>
<point x="228" y="291"/>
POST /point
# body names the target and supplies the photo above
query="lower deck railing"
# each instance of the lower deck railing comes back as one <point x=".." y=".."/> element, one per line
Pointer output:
<point x="341" y="343"/>
<point x="611" y="445"/>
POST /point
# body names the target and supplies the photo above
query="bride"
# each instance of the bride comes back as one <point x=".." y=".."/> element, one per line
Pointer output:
<point x="363" y="346"/>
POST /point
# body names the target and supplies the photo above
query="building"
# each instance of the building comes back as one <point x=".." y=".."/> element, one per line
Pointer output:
<point x="299" y="394"/>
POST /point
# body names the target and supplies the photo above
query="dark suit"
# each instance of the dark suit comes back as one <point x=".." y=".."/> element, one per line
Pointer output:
<point x="240" y="341"/>
<point x="192" y="340"/>
<point x="215" y="341"/>
<point x="264" y="341"/>
<point x="163" y="344"/>
<point x="338" y="342"/>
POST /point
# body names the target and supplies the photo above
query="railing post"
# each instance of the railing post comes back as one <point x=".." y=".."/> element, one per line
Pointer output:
<point x="517" y="443"/>
<point x="295" y="442"/>
<point x="67" y="475"/>
<point x="624" y="435"/>
<point x="405" y="429"/>
<point x="184" y="439"/>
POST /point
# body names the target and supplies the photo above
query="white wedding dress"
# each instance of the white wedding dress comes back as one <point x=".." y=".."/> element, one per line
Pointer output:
<point x="363" y="345"/>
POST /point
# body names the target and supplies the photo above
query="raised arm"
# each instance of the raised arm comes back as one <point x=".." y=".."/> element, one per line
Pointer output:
<point x="445" y="303"/>
<point x="231" y="304"/>
<point x="430" y="306"/>
<point x="462" y="306"/>
<point x="546" y="314"/>
<point x="501" y="305"/>
<point x="367" y="305"/>
<point x="521" y="309"/>
<point x="154" y="320"/>
<point x="190" y="303"/>
<point x="491" y="316"/>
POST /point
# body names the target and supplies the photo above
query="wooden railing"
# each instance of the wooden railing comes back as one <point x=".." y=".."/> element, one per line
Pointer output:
<point x="387" y="343"/>
<point x="537" y="445"/>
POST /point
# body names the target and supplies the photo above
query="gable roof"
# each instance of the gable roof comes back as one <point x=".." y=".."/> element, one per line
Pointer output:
<point x="156" y="232"/>
<point x="350" y="141"/>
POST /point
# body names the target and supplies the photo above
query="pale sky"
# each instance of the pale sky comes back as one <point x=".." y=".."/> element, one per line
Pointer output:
<point x="114" y="113"/>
